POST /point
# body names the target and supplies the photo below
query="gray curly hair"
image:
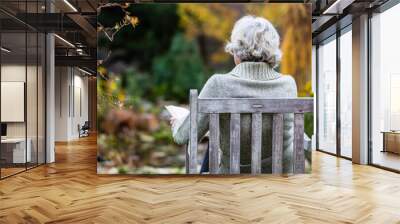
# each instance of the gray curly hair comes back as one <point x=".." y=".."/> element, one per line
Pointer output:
<point x="255" y="39"/>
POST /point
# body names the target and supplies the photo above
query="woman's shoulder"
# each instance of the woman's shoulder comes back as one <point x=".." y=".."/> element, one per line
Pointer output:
<point x="221" y="78"/>
<point x="289" y="82"/>
<point x="216" y="78"/>
<point x="288" y="78"/>
<point x="215" y="85"/>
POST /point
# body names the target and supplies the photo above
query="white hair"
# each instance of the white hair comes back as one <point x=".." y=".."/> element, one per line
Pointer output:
<point x="255" y="39"/>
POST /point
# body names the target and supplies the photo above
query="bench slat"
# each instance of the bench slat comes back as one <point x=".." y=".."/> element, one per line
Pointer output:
<point x="187" y="159"/>
<point x="277" y="143"/>
<point x="256" y="140"/>
<point x="235" y="144"/>
<point x="193" y="133"/>
<point x="253" y="105"/>
<point x="298" y="144"/>
<point x="214" y="143"/>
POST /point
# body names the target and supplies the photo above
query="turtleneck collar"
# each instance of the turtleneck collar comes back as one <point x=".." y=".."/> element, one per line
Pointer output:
<point x="255" y="71"/>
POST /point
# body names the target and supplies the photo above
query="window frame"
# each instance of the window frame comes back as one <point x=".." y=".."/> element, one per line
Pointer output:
<point x="333" y="37"/>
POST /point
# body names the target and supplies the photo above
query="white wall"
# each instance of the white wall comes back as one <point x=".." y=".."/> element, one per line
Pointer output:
<point x="61" y="103"/>
<point x="13" y="100"/>
<point x="80" y="96"/>
<point x="9" y="73"/>
<point x="16" y="73"/>
<point x="33" y="126"/>
<point x="12" y="73"/>
<point x="71" y="94"/>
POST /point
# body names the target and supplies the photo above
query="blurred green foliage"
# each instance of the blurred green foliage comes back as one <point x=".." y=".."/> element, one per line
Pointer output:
<point x="179" y="70"/>
<point x="309" y="124"/>
<point x="171" y="77"/>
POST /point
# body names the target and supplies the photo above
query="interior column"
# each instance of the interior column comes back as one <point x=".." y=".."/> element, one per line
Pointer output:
<point x="360" y="90"/>
<point x="50" y="92"/>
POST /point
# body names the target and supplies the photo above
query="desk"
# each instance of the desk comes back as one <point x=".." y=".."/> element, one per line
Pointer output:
<point x="13" y="150"/>
<point x="391" y="141"/>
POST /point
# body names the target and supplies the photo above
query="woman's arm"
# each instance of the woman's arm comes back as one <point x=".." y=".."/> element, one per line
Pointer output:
<point x="181" y="133"/>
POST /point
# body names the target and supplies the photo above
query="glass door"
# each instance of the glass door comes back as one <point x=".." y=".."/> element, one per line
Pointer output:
<point x="346" y="93"/>
<point x="327" y="96"/>
<point x="385" y="89"/>
<point x="14" y="153"/>
<point x="22" y="89"/>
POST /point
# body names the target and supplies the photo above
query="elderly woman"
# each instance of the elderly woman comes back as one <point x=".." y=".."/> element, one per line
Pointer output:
<point x="254" y="46"/>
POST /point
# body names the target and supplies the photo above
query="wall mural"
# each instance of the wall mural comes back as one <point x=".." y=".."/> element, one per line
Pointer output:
<point x="151" y="55"/>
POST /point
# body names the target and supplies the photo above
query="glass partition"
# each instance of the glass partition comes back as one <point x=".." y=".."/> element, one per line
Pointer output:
<point x="346" y="94"/>
<point x="327" y="96"/>
<point x="41" y="86"/>
<point x="31" y="97"/>
<point x="15" y="152"/>
<point x="22" y="77"/>
<point x="385" y="89"/>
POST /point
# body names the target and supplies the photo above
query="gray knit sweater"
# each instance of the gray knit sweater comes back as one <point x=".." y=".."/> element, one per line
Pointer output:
<point x="247" y="80"/>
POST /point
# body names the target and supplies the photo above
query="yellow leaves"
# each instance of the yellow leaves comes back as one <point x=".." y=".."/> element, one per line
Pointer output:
<point x="296" y="45"/>
<point x="213" y="21"/>
<point x="121" y="96"/>
<point x="292" y="21"/>
<point x="133" y="20"/>
<point x="288" y="57"/>
<point x="112" y="28"/>
<point x="125" y="5"/>
<point x="306" y="91"/>
<point x="102" y="70"/>
<point x="273" y="12"/>
<point x="308" y="88"/>
<point x="112" y="86"/>
<point x="208" y="19"/>
<point x="220" y="56"/>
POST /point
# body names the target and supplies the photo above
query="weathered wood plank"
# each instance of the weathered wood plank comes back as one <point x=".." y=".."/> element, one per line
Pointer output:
<point x="235" y="144"/>
<point x="254" y="105"/>
<point x="257" y="106"/>
<point x="187" y="158"/>
<point x="214" y="144"/>
<point x="193" y="133"/>
<point x="298" y="144"/>
<point x="277" y="143"/>
<point x="256" y="140"/>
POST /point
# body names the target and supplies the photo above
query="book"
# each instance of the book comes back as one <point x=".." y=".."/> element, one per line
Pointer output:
<point x="178" y="113"/>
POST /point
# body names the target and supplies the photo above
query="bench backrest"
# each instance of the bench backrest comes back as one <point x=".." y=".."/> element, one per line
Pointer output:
<point x="256" y="107"/>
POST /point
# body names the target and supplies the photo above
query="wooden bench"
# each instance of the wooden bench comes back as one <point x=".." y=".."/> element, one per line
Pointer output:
<point x="256" y="107"/>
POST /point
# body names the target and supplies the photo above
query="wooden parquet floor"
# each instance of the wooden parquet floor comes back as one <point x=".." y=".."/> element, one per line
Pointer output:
<point x="69" y="191"/>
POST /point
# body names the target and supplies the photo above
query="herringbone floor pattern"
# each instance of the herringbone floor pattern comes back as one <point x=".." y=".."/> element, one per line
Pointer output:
<point x="69" y="191"/>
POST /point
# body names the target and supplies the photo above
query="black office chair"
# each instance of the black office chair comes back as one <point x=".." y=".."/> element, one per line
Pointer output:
<point x="84" y="130"/>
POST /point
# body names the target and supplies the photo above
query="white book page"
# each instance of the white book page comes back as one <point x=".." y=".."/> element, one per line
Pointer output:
<point x="178" y="113"/>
